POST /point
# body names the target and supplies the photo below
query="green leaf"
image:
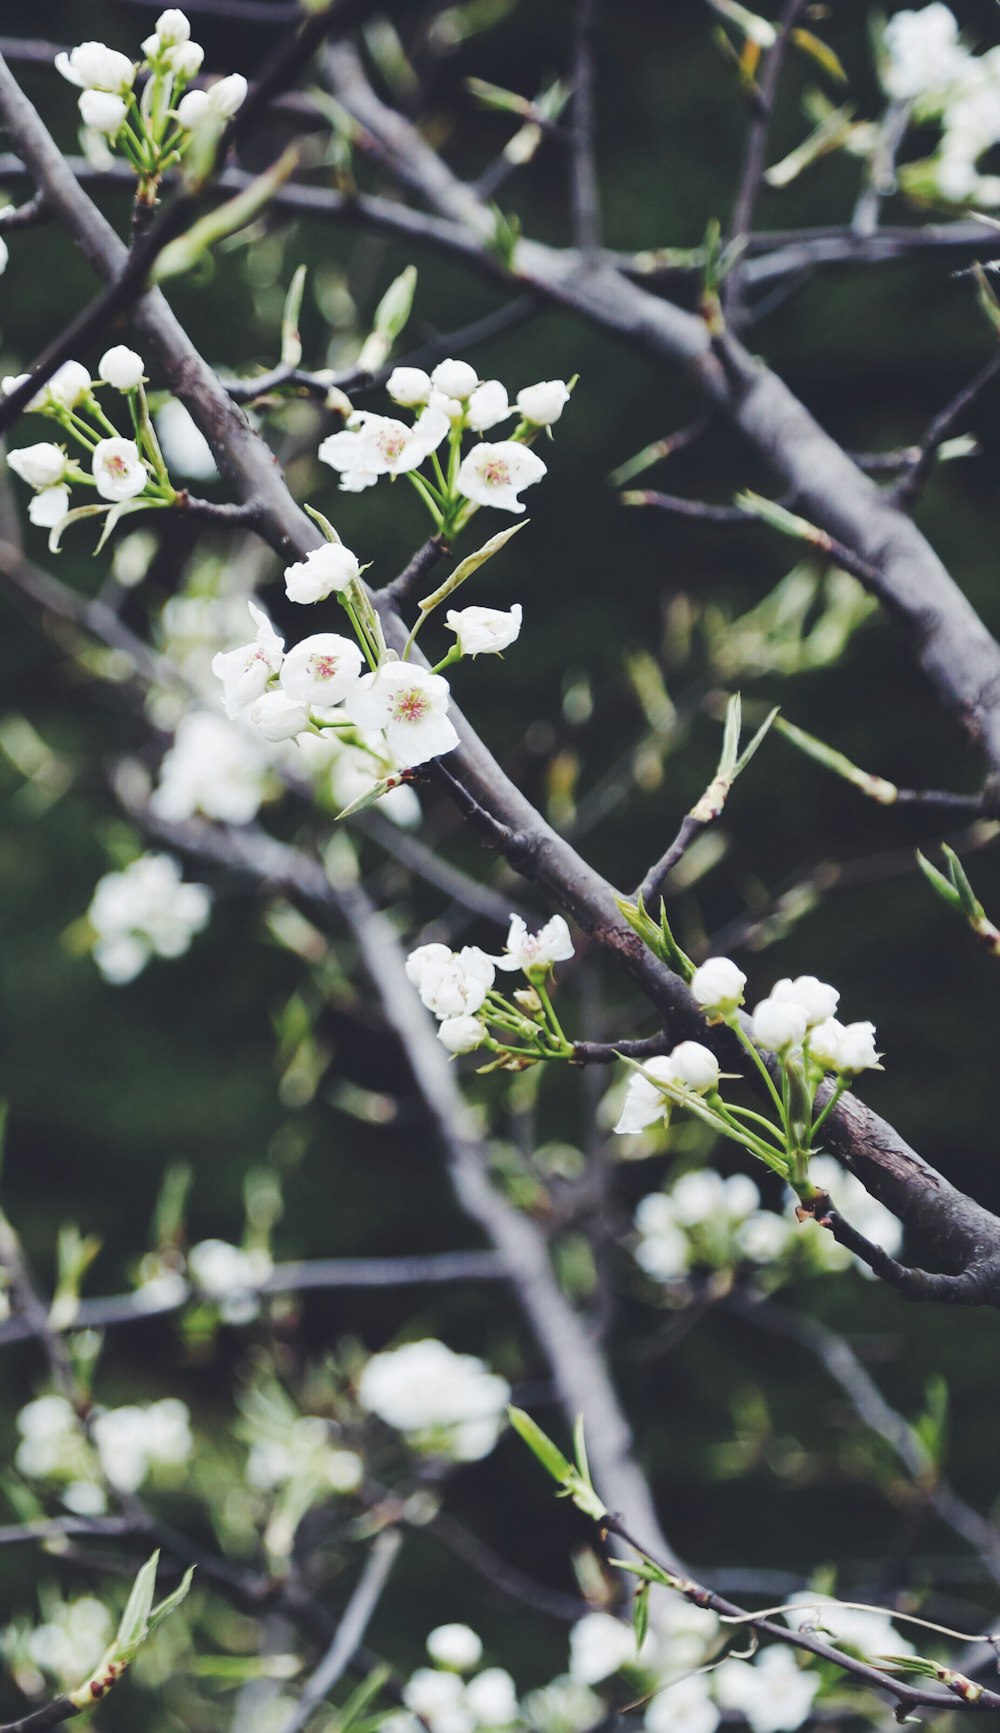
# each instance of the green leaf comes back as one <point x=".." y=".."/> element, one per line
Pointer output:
<point x="548" y="1454"/>
<point x="657" y="936"/>
<point x="170" y="1603"/>
<point x="291" y="341"/>
<point x="808" y="43"/>
<point x="134" y="1620"/>
<point x="936" y="879"/>
<point x="322" y="523"/>
<point x="470" y="564"/>
<point x="640" y="1615"/>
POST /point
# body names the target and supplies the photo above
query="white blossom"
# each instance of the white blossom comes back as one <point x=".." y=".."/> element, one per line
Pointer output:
<point x="598" y="1645"/>
<point x="484" y="630"/>
<point x="443" y="1402"/>
<point x="492" y="1698"/>
<point x="48" y="506"/>
<point x="683" y="1705"/>
<point x="454" y="985"/>
<point x="213" y="767"/>
<point x="219" y="102"/>
<point x="172" y="27"/>
<point x="131" y="1440"/>
<point x="461" y="1034"/>
<point x="50" y="1437"/>
<point x="94" y="66"/>
<point x="542" y="404"/>
<point x="409" y="386"/>
<point x="144" y="910"/>
<point x="439" y="1700"/>
<point x="424" y="959"/>
<point x="322" y="669"/>
<point x="121" y="367"/>
<point x="764" y="1236"/>
<point x="487" y="406"/>
<point x="775" y="1694"/>
<point x="845" y="1048"/>
<point x="374" y="445"/>
<point x="67" y="388"/>
<point x="923" y="54"/>
<point x="245" y="672"/>
<point x="410" y="706"/>
<point x="778" y="1025"/>
<point x="694" y="1067"/>
<point x="663" y="1249"/>
<point x="818" y="1000"/>
<point x="718" y="986"/>
<point x="644" y="1103"/>
<point x="304" y="1453"/>
<point x="863" y="1211"/>
<point x="495" y="474"/>
<point x="119" y="472"/>
<point x="455" y="378"/>
<point x="102" y="111"/>
<point x="185" y="449"/>
<point x="551" y="944"/>
<point x="325" y="570"/>
<point x="458" y="1647"/>
<point x="185" y="59"/>
<point x="278" y="717"/>
<point x="69" y="1644"/>
<point x="4" y="255"/>
<point x="40" y="465"/>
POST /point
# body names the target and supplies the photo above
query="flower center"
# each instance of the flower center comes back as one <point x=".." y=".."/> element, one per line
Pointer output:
<point x="392" y="445"/>
<point x="323" y="667"/>
<point x="410" y="705"/>
<point x="496" y="473"/>
<point x="117" y="465"/>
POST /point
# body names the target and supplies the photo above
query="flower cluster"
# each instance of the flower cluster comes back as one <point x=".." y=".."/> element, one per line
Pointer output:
<point x="457" y="986"/>
<point x="154" y="129"/>
<point x="445" y="1404"/>
<point x="64" y="1647"/>
<point x="129" y="474"/>
<point x="449" y="403"/>
<point x="229" y="1277"/>
<point x="130" y="1442"/>
<point x="439" y="1697"/>
<point x="145" y="910"/>
<point x="925" y="64"/>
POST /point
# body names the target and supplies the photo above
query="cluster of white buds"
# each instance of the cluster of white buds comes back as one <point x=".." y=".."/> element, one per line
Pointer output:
<point x="440" y="1699"/>
<point x="457" y="986"/>
<point x="144" y="911"/>
<point x="154" y="129"/>
<point x="445" y="1404"/>
<point x="925" y="66"/>
<point x="127" y="473"/>
<point x="797" y="1014"/>
<point x="449" y="403"/>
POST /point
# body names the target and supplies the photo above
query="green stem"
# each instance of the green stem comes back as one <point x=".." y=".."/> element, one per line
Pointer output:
<point x="454" y="655"/>
<point x="557" y="1029"/>
<point x="745" y="1040"/>
<point x="359" y="631"/>
<point x="730" y="1113"/>
<point x="427" y="494"/>
<point x="842" y="1086"/>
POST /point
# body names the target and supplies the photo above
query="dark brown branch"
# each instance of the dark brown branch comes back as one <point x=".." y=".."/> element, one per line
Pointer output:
<point x="53" y="1714"/>
<point x="351" y="1628"/>
<point x="908" y="489"/>
<point x="755" y="156"/>
<point x="652" y="885"/>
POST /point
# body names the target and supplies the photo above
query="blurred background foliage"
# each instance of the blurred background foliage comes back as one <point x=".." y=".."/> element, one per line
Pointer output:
<point x="615" y="687"/>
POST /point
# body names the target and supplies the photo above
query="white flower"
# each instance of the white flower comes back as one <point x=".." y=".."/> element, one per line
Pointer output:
<point x="425" y="958"/>
<point x="410" y="387"/>
<point x="304" y="1453"/>
<point x="172" y="27"/>
<point x="374" y="445"/>
<point x="488" y="405"/>
<point x="325" y="570"/>
<point x="93" y="66"/>
<point x="72" y="1639"/>
<point x="439" y="1700"/>
<point x="524" y="950"/>
<point x="102" y="111"/>
<point x="664" y="1250"/>
<point x="219" y="102"/>
<point x="455" y="1646"/>
<point x="184" y="446"/>
<point x="456" y="985"/>
<point x="644" y="1104"/>
<point x="564" y="1705"/>
<point x="495" y="474"/>
<point x="694" y="1067"/>
<point x="452" y="407"/>
<point x="718" y="986"/>
<point x="774" y="1694"/>
<point x="278" y="717"/>
<point x="184" y="60"/>
<point x="39" y="465"/>
<point x="683" y="1706"/>
<point x="455" y="378"/>
<point x="69" y="385"/>
<point x="818" y="1000"/>
<point x="543" y="404"/>
<point x="222" y="1271"/>
<point x="50" y="1437"/>
<point x="410" y="705"/>
<point x="871" y="1631"/>
<point x="846" y="1048"/>
<point x="245" y="672"/>
<point x="923" y="53"/>
<point x="144" y="910"/>
<point x="492" y="1698"/>
<point x="461" y="1034"/>
<point x="131" y="1440"/>
<point x="863" y="1211"/>
<point x="213" y="767"/>
<point x="484" y="630"/>
<point x="764" y="1236"/>
<point x="121" y="367"/>
<point x="598" y="1645"/>
<point x="443" y="1402"/>
<point x="48" y="506"/>
<point x="777" y="1025"/>
<point x="192" y="109"/>
<point x="322" y="669"/>
<point x="119" y="472"/>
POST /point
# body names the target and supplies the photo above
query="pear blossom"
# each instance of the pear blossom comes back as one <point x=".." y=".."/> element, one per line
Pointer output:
<point x="718" y="986"/>
<point x="492" y="1698"/>
<point x="682" y="1705"/>
<point x="818" y="1000"/>
<point x="321" y="669"/>
<point x="457" y="1647"/>
<point x="847" y="1048"/>
<point x="69" y="1644"/>
<point x="172" y="27"/>
<point x="438" y="1698"/>
<point x="644" y="1102"/>
<point x="219" y="102"/>
<point x="423" y="959"/>
<point x="455" y="378"/>
<point x="484" y="630"/>
<point x="488" y="405"/>
<point x="599" y="1644"/>
<point x="443" y="1402"/>
<point x="102" y="111"/>
<point x="131" y="1440"/>
<point x="778" y="1025"/>
<point x="863" y="1211"/>
<point x="184" y="446"/>
<point x="229" y="1276"/>
<point x="923" y="53"/>
<point x="69" y="385"/>
<point x="543" y="404"/>
<point x="663" y="1250"/>
<point x="278" y="717"/>
<point x="46" y="507"/>
<point x="184" y="60"/>
<point x="495" y="474"/>
<point x="325" y="570"/>
<point x="93" y="66"/>
<point x="245" y="672"/>
<point x="453" y="985"/>
<point x="409" y="386"/>
<point x="121" y="367"/>
<point x="41" y="465"/>
<point x="527" y="951"/>
<point x="142" y="911"/>
<point x="373" y="445"/>
<point x="694" y="1067"/>
<point x="461" y="1034"/>
<point x="774" y="1693"/>
<point x="410" y="705"/>
<point x="452" y="407"/>
<point x="213" y="767"/>
<point x="119" y="472"/>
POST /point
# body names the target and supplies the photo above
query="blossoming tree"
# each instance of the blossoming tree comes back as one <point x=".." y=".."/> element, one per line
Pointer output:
<point x="650" y="1129"/>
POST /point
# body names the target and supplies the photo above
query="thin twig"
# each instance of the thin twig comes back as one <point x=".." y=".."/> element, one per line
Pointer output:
<point x="585" y="197"/>
<point x="908" y="489"/>
<point x="755" y="154"/>
<point x="350" y="1631"/>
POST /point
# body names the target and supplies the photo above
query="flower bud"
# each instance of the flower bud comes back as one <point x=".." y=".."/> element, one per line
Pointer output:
<point x="818" y="1000"/>
<point x="409" y="386"/>
<point x="278" y="717"/>
<point x="488" y="405"/>
<point x="543" y="404"/>
<point x="718" y="986"/>
<point x="694" y="1067"/>
<point x="857" y="1049"/>
<point x="461" y="1034"/>
<point x="102" y="111"/>
<point x="39" y="465"/>
<point x="777" y="1025"/>
<point x="172" y="28"/>
<point x="455" y="378"/>
<point x="328" y="568"/>
<point x="186" y="60"/>
<point x="121" y="367"/>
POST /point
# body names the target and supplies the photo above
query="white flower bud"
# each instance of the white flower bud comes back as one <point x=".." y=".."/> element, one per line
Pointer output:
<point x="326" y="569"/>
<point x="186" y="60"/>
<point x="718" y="986"/>
<point x="694" y="1067"/>
<point x="121" y="367"/>
<point x="461" y="1035"/>
<point x="119" y="472"/>
<point x="818" y="1000"/>
<point x="192" y="108"/>
<point x="543" y="404"/>
<point x="94" y="66"/>
<point x="68" y="387"/>
<point x="484" y="630"/>
<point x="455" y="1646"/>
<point x="227" y="95"/>
<point x="48" y="506"/>
<point x="488" y="405"/>
<point x="411" y="387"/>
<point x="4" y="255"/>
<point x="278" y="717"/>
<point x="778" y="1026"/>
<point x="172" y="28"/>
<point x="102" y="111"/>
<point x="455" y="378"/>
<point x="857" y="1049"/>
<point x="39" y="465"/>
